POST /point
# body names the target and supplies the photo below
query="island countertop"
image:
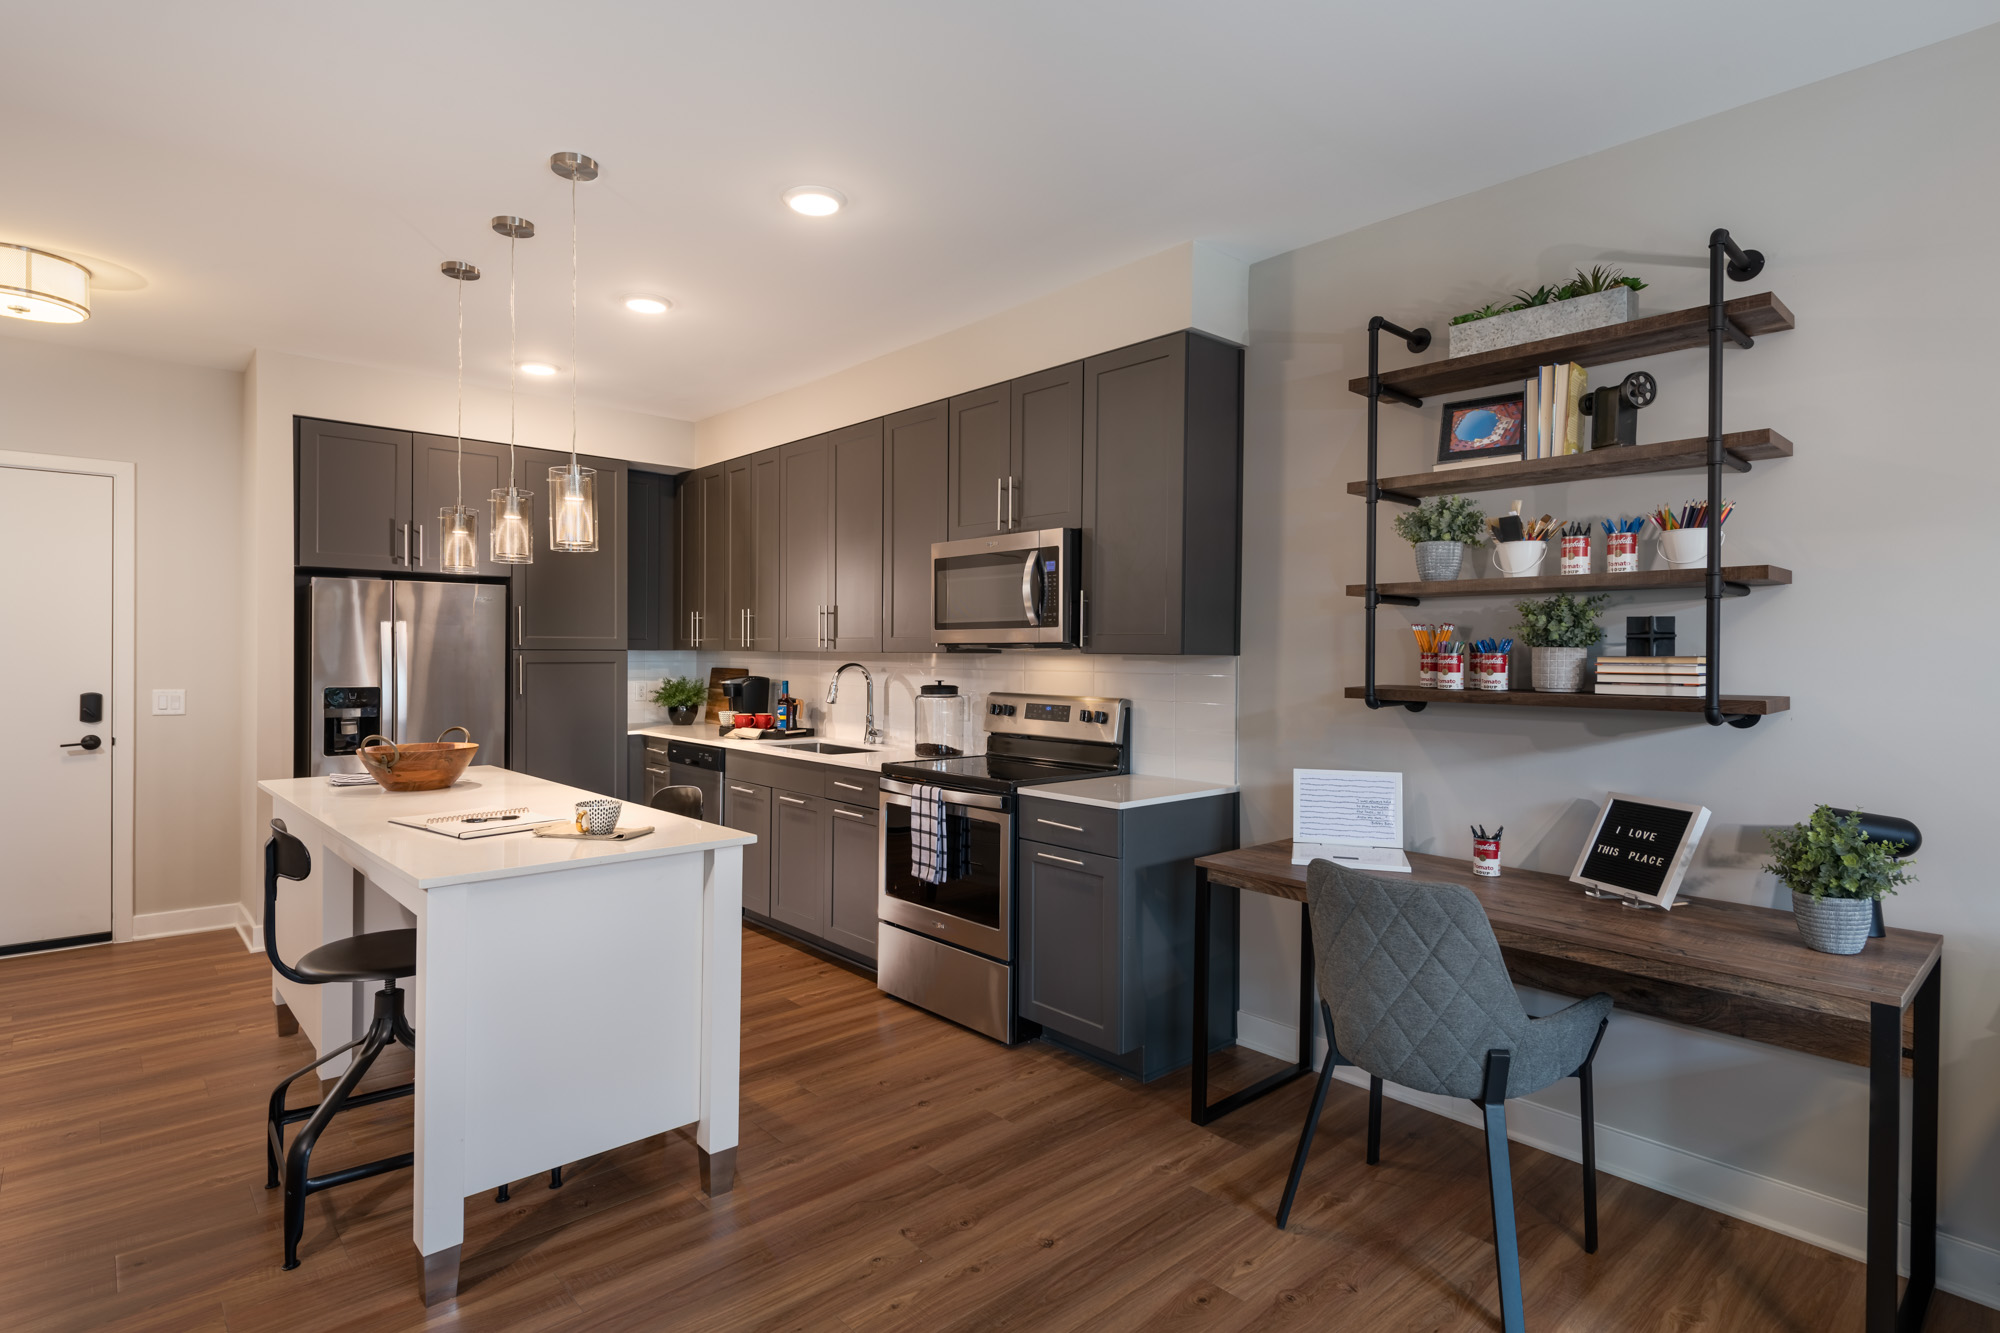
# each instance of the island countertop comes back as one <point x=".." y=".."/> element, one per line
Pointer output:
<point x="361" y="816"/>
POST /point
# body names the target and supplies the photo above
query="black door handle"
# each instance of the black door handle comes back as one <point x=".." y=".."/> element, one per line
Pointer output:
<point x="87" y="743"/>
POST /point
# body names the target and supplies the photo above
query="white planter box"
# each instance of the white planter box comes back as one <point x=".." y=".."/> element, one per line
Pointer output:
<point x="1555" y="320"/>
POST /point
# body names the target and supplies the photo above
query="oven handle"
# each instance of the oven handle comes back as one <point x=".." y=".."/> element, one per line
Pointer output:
<point x="899" y="793"/>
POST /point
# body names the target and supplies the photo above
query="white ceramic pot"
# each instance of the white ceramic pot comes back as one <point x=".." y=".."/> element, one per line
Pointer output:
<point x="1559" y="670"/>
<point x="1518" y="560"/>
<point x="1833" y="925"/>
<point x="1438" y="562"/>
<point x="1686" y="548"/>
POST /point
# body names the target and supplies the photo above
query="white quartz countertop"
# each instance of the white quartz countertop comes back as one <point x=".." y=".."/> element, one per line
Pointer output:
<point x="1127" y="791"/>
<point x="704" y="733"/>
<point x="361" y="815"/>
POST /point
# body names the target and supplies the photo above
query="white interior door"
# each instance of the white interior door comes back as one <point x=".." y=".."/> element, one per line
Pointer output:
<point x="56" y="548"/>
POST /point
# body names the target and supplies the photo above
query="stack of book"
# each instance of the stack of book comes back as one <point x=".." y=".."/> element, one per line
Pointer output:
<point x="1551" y="420"/>
<point x="1655" y="676"/>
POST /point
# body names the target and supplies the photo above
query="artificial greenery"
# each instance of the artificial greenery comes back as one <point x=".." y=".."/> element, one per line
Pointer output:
<point x="1599" y="279"/>
<point x="1829" y="856"/>
<point x="1446" y="518"/>
<point x="1561" y="621"/>
<point x="680" y="692"/>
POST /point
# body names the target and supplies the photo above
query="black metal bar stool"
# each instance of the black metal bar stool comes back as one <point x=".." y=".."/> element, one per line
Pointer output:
<point x="382" y="955"/>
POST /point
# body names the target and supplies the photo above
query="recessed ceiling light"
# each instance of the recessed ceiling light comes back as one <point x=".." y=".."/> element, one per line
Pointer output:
<point x="648" y="305"/>
<point x="815" y="201"/>
<point x="537" y="368"/>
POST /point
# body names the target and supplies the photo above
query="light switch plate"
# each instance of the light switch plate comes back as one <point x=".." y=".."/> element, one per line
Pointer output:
<point x="169" y="703"/>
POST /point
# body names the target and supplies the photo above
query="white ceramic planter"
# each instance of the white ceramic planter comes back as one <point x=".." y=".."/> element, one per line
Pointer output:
<point x="1559" y="670"/>
<point x="1555" y="320"/>
<point x="1833" y="925"/>
<point x="1438" y="562"/>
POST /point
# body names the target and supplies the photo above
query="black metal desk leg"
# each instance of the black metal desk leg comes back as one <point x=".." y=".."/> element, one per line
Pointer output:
<point x="1308" y="985"/>
<point x="1885" y="1106"/>
<point x="1923" y="1155"/>
<point x="1204" y="913"/>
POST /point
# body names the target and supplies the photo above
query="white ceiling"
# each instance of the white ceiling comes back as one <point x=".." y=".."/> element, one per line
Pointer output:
<point x="289" y="176"/>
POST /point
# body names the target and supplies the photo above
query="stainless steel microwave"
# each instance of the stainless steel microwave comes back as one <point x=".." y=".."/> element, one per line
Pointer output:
<point x="1017" y="589"/>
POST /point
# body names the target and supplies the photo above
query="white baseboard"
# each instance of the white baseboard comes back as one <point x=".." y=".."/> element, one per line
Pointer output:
<point x="250" y="928"/>
<point x="1965" y="1268"/>
<point x="185" y="921"/>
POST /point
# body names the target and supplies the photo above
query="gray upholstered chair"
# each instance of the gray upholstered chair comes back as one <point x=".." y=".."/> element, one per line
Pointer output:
<point x="1413" y="990"/>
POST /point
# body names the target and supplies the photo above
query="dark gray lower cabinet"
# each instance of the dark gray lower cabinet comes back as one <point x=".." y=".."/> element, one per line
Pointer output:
<point x="857" y="857"/>
<point x="1107" y="928"/>
<point x="801" y="869"/>
<point x="746" y="807"/>
<point x="567" y="717"/>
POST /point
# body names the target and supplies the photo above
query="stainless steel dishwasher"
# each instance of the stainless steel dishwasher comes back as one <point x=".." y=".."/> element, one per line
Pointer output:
<point x="693" y="765"/>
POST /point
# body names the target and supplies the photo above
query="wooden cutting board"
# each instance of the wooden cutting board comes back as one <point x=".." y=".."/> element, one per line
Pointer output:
<point x="717" y="700"/>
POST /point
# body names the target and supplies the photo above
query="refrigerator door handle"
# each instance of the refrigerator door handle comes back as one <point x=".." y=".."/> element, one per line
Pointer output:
<point x="384" y="631"/>
<point x="402" y="648"/>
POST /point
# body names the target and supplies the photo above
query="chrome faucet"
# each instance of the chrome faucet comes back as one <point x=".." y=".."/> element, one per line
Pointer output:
<point x="874" y="733"/>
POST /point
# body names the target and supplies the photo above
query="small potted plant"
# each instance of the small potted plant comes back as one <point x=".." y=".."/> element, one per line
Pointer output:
<point x="1836" y="874"/>
<point x="682" y="697"/>
<point x="1561" y="630"/>
<point x="1440" y="528"/>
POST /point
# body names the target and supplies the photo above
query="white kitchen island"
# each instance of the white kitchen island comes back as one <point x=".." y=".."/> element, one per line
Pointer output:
<point x="570" y="996"/>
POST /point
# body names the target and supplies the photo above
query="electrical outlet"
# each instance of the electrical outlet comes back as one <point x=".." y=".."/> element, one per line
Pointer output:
<point x="169" y="703"/>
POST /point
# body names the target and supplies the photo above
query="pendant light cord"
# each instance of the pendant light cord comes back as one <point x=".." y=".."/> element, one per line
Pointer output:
<point x="572" y="325"/>
<point x="512" y="344"/>
<point x="459" y="502"/>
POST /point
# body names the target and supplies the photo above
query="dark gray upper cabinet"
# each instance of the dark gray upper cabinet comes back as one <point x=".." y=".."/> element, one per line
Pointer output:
<point x="854" y="621"/>
<point x="567" y="717"/>
<point x="572" y="601"/>
<point x="746" y="806"/>
<point x="807" y="503"/>
<point x="767" y="505"/>
<point x="739" y="484"/>
<point x="856" y="850"/>
<point x="801" y="869"/>
<point x="1162" y="497"/>
<point x="650" y="520"/>
<point x="687" y="560"/>
<point x="438" y="485"/>
<point x="982" y="454"/>
<point x="353" y="496"/>
<point x="914" y="473"/>
<point x="1044" y="486"/>
<point x="714" y="630"/>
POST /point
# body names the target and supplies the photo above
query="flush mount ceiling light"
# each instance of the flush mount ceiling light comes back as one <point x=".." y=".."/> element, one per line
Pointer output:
<point x="815" y="201"/>
<point x="648" y="305"/>
<point x="37" y="285"/>
<point x="541" y="368"/>
<point x="513" y="526"/>
<point x="572" y="486"/>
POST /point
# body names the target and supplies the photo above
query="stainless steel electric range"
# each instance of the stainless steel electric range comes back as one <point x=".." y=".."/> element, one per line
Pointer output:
<point x="948" y="938"/>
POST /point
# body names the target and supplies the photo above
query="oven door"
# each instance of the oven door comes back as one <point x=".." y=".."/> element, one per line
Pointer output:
<point x="974" y="906"/>
<point x="1019" y="588"/>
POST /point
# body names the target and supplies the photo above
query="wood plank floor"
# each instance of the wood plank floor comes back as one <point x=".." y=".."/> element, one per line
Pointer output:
<point x="896" y="1173"/>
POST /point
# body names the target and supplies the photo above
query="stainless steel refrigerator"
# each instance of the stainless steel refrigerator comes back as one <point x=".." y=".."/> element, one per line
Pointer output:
<point x="403" y="658"/>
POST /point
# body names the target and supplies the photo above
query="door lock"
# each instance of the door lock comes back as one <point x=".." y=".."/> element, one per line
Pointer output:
<point x="87" y="743"/>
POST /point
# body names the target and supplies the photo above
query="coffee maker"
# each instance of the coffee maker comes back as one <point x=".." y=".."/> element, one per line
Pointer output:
<point x="748" y="694"/>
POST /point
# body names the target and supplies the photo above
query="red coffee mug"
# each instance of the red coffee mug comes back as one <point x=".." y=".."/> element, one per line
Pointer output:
<point x="762" y="719"/>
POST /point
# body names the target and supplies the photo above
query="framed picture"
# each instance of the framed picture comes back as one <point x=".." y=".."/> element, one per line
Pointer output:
<point x="1481" y="430"/>
<point x="1640" y="848"/>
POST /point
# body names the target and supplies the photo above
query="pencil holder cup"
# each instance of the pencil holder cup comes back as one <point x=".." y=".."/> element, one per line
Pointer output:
<point x="1489" y="671"/>
<point x="1576" y="554"/>
<point x="1686" y="548"/>
<point x="1427" y="669"/>
<point x="1450" y="671"/>
<point x="1559" y="670"/>
<point x="1486" y="857"/>
<point x="1517" y="560"/>
<point x="1621" y="553"/>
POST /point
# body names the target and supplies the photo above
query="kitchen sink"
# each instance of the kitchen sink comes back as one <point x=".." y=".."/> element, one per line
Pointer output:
<point x="823" y="747"/>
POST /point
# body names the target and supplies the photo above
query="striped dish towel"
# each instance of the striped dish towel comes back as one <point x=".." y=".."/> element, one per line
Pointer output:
<point x="930" y="860"/>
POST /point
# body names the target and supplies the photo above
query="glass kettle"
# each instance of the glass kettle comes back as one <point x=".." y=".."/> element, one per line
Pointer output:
<point x="942" y="714"/>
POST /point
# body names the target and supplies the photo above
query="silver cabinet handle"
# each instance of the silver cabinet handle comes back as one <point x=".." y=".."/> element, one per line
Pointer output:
<point x="1051" y="856"/>
<point x="520" y="628"/>
<point x="520" y="674"/>
<point x="791" y="800"/>
<point x="1012" y="522"/>
<point x="690" y="629"/>
<point x="833" y="625"/>
<point x="848" y="785"/>
<point x="1056" y="823"/>
<point x="747" y="791"/>
<point x="999" y="524"/>
<point x="420" y="543"/>
<point x="406" y="543"/>
<point x="849" y="814"/>
<point x="651" y="769"/>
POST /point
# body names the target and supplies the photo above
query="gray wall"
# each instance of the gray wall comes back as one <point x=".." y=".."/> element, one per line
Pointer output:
<point x="1874" y="194"/>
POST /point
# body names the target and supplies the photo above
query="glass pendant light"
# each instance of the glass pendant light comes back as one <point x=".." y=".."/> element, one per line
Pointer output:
<point x="457" y="522"/>
<point x="513" y="519"/>
<point x="572" y="486"/>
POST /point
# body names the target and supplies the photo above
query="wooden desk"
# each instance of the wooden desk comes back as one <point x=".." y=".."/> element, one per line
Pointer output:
<point x="1722" y="967"/>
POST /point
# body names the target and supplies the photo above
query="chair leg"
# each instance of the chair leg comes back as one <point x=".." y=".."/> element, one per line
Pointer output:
<point x="1306" y="1140"/>
<point x="400" y="1027"/>
<point x="502" y="1196"/>
<point x="274" y="1127"/>
<point x="1374" y="1120"/>
<point x="298" y="1159"/>
<point x="1589" y="1162"/>
<point x="1500" y="1182"/>
<point x="555" y="1179"/>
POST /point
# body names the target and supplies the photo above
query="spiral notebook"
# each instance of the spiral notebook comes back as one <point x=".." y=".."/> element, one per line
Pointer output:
<point x="483" y="823"/>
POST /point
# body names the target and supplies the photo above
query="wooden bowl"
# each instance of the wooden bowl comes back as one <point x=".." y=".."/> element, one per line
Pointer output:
<point x="418" y="765"/>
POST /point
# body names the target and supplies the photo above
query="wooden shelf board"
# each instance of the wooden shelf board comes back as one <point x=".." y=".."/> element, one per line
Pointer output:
<point x="1732" y="704"/>
<point x="1692" y="580"/>
<point x="1675" y="331"/>
<point x="1624" y="461"/>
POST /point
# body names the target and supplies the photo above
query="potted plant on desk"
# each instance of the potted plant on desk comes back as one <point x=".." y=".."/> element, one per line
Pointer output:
<point x="1836" y="874"/>
<point x="1440" y="528"/>
<point x="1561" y="630"/>
<point x="682" y="697"/>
